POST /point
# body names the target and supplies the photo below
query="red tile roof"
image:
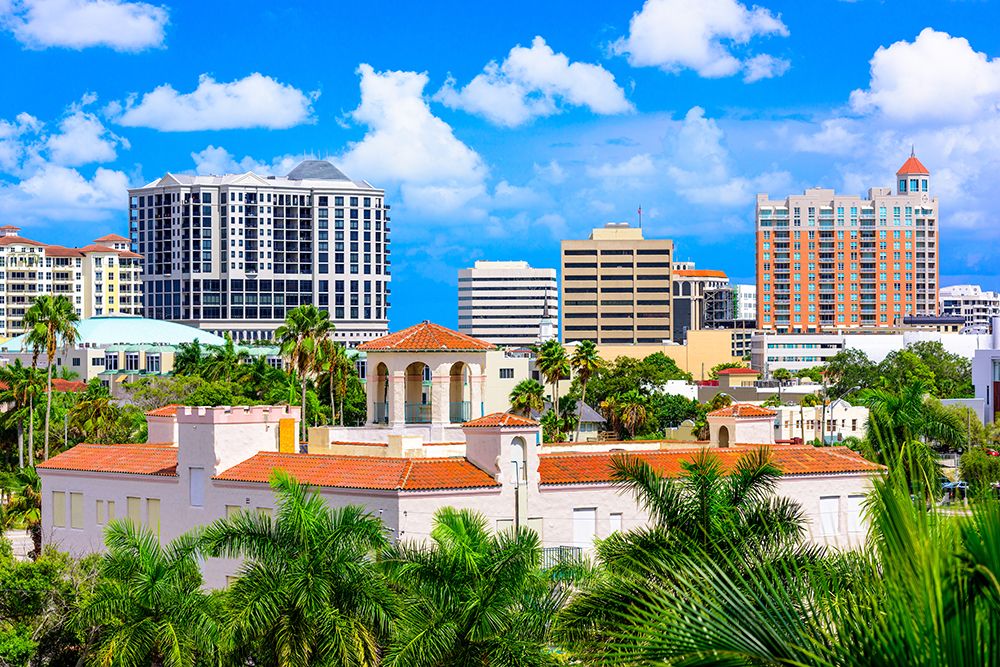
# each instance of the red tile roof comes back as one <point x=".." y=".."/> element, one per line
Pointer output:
<point x="114" y="238"/>
<point x="426" y="337"/>
<point x="10" y="227"/>
<point x="738" y="371"/>
<point x="97" y="248"/>
<point x="501" y="419"/>
<point x="150" y="459"/>
<point x="913" y="166"/>
<point x="699" y="273"/>
<point x="59" y="384"/>
<point x="126" y="253"/>
<point x="165" y="411"/>
<point x="595" y="468"/>
<point x="61" y="251"/>
<point x="8" y="240"/>
<point x="743" y="410"/>
<point x="363" y="472"/>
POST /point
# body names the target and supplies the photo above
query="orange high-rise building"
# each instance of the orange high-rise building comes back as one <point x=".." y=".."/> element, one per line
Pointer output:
<point x="827" y="261"/>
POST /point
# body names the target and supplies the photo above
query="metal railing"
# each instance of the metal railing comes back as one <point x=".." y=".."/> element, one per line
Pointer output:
<point x="380" y="413"/>
<point x="552" y="556"/>
<point x="417" y="413"/>
<point x="460" y="411"/>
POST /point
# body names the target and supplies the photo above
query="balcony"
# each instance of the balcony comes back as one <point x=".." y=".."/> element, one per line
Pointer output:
<point x="460" y="412"/>
<point x="417" y="413"/>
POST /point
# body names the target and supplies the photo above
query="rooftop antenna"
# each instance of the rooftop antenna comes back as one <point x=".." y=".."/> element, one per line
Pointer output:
<point x="912" y="154"/>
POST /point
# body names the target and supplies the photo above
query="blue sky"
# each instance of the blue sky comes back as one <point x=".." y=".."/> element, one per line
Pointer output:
<point x="497" y="130"/>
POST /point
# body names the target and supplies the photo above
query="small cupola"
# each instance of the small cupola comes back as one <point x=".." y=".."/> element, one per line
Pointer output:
<point x="913" y="177"/>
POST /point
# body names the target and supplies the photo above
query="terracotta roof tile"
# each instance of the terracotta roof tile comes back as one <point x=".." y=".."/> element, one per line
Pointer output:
<point x="150" y="459"/>
<point x="363" y="472"/>
<point x="594" y="468"/>
<point x="165" y="411"/>
<point x="426" y="337"/>
<point x="8" y="240"/>
<point x="61" y="251"/>
<point x="58" y="384"/>
<point x="699" y="273"/>
<point x="743" y="410"/>
<point x="502" y="419"/>
<point x="913" y="166"/>
<point x="738" y="371"/>
<point x="114" y="238"/>
<point x="10" y="227"/>
<point x="127" y="253"/>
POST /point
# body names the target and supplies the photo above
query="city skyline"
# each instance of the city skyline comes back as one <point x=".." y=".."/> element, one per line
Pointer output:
<point x="548" y="125"/>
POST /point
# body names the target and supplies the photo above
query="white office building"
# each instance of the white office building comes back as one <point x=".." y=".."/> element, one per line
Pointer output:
<point x="970" y="302"/>
<point x="746" y="302"/>
<point x="504" y="302"/>
<point x="236" y="252"/>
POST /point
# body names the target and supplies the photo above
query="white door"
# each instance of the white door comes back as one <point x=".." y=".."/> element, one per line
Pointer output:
<point x="584" y="527"/>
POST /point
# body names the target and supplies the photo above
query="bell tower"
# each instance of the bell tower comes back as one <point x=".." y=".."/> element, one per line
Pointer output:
<point x="913" y="177"/>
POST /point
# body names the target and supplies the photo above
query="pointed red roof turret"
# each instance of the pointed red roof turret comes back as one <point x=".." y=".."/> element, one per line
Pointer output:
<point x="913" y="166"/>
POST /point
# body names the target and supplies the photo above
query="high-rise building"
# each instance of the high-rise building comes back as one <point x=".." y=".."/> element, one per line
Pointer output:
<point x="826" y="260"/>
<point x="616" y="287"/>
<point x="503" y="302"/>
<point x="99" y="279"/>
<point x="236" y="252"/>
<point x="971" y="302"/>
<point x="690" y="287"/>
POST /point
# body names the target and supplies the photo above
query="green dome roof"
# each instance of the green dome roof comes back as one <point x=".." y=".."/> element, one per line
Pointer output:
<point x="124" y="330"/>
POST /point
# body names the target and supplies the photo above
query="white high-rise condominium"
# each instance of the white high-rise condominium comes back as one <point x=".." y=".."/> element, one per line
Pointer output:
<point x="970" y="302"/>
<point x="236" y="252"/>
<point x="503" y="302"/>
<point x="746" y="302"/>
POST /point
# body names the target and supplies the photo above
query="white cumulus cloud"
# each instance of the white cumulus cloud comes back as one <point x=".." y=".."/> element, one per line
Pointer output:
<point x="254" y="101"/>
<point x="82" y="139"/>
<point x="218" y="161"/>
<point x="408" y="145"/>
<point x="935" y="78"/>
<point x="78" y="24"/>
<point x="534" y="82"/>
<point x="833" y="139"/>
<point x="700" y="35"/>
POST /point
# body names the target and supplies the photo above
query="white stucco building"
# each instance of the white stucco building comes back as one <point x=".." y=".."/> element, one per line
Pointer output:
<point x="970" y="302"/>
<point x="217" y="461"/>
<point x="840" y="420"/>
<point x="504" y="302"/>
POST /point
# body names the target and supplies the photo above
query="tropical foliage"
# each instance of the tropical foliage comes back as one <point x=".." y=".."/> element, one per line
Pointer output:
<point x="943" y="374"/>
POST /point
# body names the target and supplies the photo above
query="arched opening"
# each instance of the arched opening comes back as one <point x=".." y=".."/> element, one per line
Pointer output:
<point x="418" y="393"/>
<point x="459" y="393"/>
<point x="519" y="460"/>
<point x="685" y="289"/>
<point x="723" y="436"/>
<point x="381" y="407"/>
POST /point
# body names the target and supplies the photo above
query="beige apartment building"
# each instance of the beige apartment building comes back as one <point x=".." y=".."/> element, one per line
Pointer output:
<point x="99" y="279"/>
<point x="827" y="260"/>
<point x="616" y="287"/>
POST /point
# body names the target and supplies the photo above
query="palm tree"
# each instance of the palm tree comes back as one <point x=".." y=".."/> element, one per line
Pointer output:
<point x="309" y="592"/>
<point x="96" y="417"/>
<point x="632" y="408"/>
<point x="299" y="338"/>
<point x="148" y="606"/>
<point x="338" y="367"/>
<point x="527" y="395"/>
<point x="472" y="597"/>
<point x="188" y="359"/>
<point x="915" y="596"/>
<point x="19" y="384"/>
<point x="24" y="505"/>
<point x="223" y="360"/>
<point x="612" y="413"/>
<point x="50" y="322"/>
<point x="708" y="509"/>
<point x="553" y="363"/>
<point x="899" y="425"/>
<point x="586" y="363"/>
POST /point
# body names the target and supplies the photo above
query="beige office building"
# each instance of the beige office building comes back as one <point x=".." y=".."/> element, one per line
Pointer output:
<point x="616" y="287"/>
<point x="504" y="302"/>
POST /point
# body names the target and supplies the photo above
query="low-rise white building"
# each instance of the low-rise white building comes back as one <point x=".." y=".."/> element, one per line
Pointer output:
<point x="840" y="420"/>
<point x="970" y="302"/>
<point x="769" y="352"/>
<point x="224" y="457"/>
